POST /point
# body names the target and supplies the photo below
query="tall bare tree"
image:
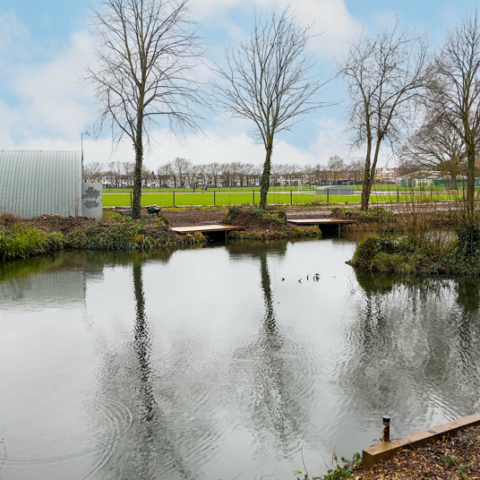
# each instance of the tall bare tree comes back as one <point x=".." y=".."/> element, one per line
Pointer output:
<point x="146" y="55"/>
<point x="93" y="171"/>
<point x="385" y="76"/>
<point x="268" y="79"/>
<point x="213" y="170"/>
<point x="181" y="167"/>
<point x="336" y="165"/>
<point x="436" y="146"/>
<point x="455" y="91"/>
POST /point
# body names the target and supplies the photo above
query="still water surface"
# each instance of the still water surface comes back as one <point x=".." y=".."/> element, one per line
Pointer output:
<point x="204" y="364"/>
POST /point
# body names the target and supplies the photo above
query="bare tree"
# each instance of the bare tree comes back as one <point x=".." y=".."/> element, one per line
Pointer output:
<point x="115" y="173"/>
<point x="93" y="171"/>
<point x="213" y="170"/>
<point x="385" y="75"/>
<point x="249" y="172"/>
<point x="128" y="171"/>
<point x="436" y="146"/>
<point x="181" y="167"/>
<point x="164" y="174"/>
<point x="146" y="55"/>
<point x="455" y="91"/>
<point x="268" y="80"/>
<point x="336" y="165"/>
<point x="356" y="168"/>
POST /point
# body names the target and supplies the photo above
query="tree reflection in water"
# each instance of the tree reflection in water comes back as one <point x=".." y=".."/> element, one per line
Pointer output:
<point x="411" y="348"/>
<point x="280" y="396"/>
<point x="152" y="447"/>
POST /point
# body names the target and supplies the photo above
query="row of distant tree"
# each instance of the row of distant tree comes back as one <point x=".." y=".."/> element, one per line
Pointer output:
<point x="182" y="172"/>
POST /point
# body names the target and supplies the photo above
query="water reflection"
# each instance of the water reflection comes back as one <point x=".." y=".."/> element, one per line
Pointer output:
<point x="205" y="364"/>
<point x="413" y="348"/>
<point x="280" y="395"/>
<point x="151" y="448"/>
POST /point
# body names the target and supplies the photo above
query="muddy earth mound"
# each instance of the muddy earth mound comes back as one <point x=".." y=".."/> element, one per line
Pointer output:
<point x="55" y="223"/>
<point x="8" y="220"/>
<point x="255" y="219"/>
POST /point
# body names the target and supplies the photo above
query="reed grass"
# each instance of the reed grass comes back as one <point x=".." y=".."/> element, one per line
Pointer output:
<point x="423" y="240"/>
<point x="23" y="242"/>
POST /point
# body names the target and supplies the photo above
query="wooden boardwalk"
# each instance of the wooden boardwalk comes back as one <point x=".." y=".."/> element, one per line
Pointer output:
<point x="206" y="228"/>
<point x="320" y="221"/>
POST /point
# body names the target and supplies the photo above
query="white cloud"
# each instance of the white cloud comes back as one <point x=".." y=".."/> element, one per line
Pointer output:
<point x="330" y="18"/>
<point x="13" y="35"/>
<point x="51" y="96"/>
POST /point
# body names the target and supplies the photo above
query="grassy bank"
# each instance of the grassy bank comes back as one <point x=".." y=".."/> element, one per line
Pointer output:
<point x="47" y="234"/>
<point x="23" y="242"/>
<point x="417" y="242"/>
<point x="20" y="241"/>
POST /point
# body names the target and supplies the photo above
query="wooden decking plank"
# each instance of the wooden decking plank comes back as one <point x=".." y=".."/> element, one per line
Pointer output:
<point x="320" y="221"/>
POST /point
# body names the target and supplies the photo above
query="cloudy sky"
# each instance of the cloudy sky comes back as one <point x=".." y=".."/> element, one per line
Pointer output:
<point x="45" y="45"/>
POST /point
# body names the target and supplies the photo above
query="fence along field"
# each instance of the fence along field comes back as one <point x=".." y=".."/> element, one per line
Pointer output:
<point x="211" y="198"/>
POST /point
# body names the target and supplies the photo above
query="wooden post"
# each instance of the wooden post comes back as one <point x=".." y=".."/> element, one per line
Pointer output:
<point x="386" y="429"/>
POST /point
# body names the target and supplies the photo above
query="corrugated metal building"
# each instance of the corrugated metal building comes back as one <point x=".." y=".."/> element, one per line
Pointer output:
<point x="38" y="182"/>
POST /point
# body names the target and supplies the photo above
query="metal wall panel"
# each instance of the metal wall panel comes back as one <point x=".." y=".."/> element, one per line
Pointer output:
<point x="40" y="182"/>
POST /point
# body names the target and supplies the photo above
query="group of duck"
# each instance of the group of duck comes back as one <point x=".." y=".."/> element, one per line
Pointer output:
<point x="315" y="278"/>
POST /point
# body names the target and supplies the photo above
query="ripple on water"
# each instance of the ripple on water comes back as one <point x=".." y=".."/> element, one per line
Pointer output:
<point x="108" y="420"/>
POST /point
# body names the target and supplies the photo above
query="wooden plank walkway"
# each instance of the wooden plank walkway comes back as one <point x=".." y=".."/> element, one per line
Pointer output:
<point x="206" y="228"/>
<point x="320" y="221"/>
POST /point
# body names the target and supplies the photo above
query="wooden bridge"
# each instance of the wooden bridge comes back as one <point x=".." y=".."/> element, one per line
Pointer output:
<point x="206" y="229"/>
<point x="322" y="222"/>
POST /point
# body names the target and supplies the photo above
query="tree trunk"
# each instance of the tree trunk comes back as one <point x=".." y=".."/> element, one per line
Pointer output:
<point x="137" y="176"/>
<point x="369" y="175"/>
<point x="471" y="182"/>
<point x="265" y="180"/>
<point x="453" y="180"/>
<point x="367" y="185"/>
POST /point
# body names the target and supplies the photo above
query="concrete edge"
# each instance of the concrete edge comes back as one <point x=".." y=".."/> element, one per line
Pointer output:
<point x="382" y="451"/>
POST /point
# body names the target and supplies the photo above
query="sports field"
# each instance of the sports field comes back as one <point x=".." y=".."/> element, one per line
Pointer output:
<point x="237" y="198"/>
<point x="285" y="189"/>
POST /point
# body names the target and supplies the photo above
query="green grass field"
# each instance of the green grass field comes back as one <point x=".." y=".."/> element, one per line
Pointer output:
<point x="286" y="189"/>
<point x="237" y="198"/>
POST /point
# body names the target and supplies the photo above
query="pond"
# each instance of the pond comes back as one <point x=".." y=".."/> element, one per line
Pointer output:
<point x="218" y="363"/>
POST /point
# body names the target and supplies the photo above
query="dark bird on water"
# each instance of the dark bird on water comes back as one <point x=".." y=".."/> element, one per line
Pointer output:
<point x="283" y="279"/>
<point x="316" y="277"/>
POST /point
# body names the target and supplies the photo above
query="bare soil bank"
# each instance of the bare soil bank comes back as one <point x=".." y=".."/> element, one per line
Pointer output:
<point x="177" y="217"/>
